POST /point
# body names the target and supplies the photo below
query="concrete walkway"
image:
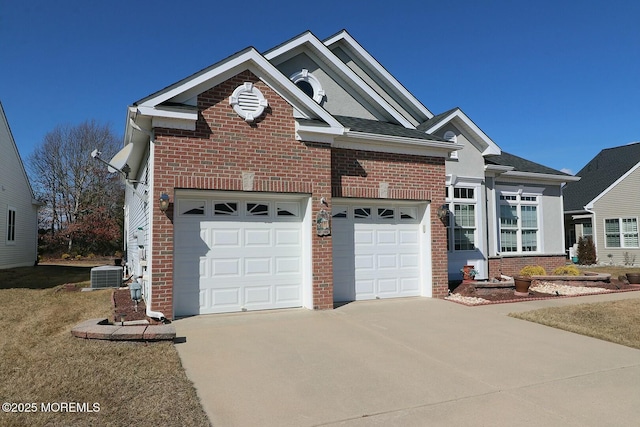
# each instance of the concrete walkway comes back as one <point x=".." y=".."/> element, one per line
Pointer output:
<point x="407" y="362"/>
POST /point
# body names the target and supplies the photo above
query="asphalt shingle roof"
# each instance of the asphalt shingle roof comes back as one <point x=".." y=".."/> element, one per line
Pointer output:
<point x="520" y="164"/>
<point x="384" y="128"/>
<point x="602" y="171"/>
<point x="435" y="119"/>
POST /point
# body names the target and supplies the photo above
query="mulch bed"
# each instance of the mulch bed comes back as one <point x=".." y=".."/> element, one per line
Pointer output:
<point x="123" y="305"/>
<point x="501" y="294"/>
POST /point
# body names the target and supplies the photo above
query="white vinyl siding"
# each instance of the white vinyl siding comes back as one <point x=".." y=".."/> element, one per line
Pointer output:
<point x="18" y="211"/>
<point x="11" y="226"/>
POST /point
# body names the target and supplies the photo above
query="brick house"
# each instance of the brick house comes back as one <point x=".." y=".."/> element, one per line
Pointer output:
<point x="300" y="177"/>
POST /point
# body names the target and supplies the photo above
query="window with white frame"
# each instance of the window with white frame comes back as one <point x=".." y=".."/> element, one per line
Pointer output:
<point x="461" y="227"/>
<point x="11" y="226"/>
<point x="519" y="222"/>
<point x="621" y="232"/>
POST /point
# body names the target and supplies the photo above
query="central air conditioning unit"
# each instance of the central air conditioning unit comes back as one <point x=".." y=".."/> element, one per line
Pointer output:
<point x="108" y="276"/>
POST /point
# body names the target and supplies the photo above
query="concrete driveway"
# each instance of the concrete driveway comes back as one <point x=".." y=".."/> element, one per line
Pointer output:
<point x="407" y="362"/>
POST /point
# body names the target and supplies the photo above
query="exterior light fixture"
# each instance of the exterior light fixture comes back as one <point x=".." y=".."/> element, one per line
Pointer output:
<point x="164" y="202"/>
<point x="443" y="212"/>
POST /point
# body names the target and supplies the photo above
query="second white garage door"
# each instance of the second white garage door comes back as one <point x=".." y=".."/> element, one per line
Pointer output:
<point x="376" y="251"/>
<point x="236" y="254"/>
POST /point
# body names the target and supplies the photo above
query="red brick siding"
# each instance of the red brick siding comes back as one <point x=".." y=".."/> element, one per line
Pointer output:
<point x="223" y="146"/>
<point x="358" y="173"/>
<point x="214" y="157"/>
<point x="511" y="266"/>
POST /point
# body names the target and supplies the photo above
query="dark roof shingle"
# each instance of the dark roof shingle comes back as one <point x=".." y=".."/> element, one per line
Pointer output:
<point x="597" y="175"/>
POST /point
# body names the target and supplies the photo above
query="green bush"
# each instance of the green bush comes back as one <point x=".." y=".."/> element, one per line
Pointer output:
<point x="532" y="270"/>
<point x="65" y="256"/>
<point x="566" y="270"/>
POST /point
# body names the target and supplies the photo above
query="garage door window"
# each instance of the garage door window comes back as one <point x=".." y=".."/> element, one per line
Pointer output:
<point x="386" y="213"/>
<point x="258" y="209"/>
<point x="339" y="212"/>
<point x="361" y="212"/>
<point x="192" y="207"/>
<point x="288" y="209"/>
<point x="225" y="208"/>
<point x="408" y="213"/>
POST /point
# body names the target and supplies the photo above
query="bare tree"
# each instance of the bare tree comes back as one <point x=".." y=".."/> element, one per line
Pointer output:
<point x="70" y="182"/>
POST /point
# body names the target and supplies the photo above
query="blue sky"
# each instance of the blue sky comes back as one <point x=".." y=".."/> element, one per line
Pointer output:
<point x="552" y="81"/>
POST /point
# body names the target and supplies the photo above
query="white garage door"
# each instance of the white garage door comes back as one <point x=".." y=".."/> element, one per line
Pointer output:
<point x="376" y="251"/>
<point x="237" y="254"/>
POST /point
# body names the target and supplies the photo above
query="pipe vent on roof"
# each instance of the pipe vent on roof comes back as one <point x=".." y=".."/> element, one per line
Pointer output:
<point x="248" y="101"/>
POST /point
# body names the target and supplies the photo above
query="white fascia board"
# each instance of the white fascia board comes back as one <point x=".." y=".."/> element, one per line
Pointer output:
<point x="391" y="81"/>
<point x="249" y="60"/>
<point x="326" y="56"/>
<point x="394" y="144"/>
<point x="609" y="188"/>
<point x="171" y="113"/>
<point x="537" y="177"/>
<point x="321" y="134"/>
<point x="492" y="147"/>
<point x="497" y="169"/>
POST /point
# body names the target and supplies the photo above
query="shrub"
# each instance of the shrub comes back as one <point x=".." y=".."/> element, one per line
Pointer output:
<point x="566" y="270"/>
<point x="532" y="270"/>
<point x="65" y="256"/>
<point x="78" y="256"/>
<point x="586" y="251"/>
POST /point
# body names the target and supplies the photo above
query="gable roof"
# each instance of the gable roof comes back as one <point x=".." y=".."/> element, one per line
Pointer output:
<point x="604" y="170"/>
<point x="307" y="42"/>
<point x="13" y="147"/>
<point x="378" y="75"/>
<point x="480" y="139"/>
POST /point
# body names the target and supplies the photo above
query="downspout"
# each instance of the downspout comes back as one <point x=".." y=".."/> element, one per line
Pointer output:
<point x="156" y="315"/>
<point x="152" y="314"/>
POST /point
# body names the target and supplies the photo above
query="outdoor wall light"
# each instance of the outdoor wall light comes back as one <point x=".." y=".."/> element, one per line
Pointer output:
<point x="443" y="212"/>
<point x="164" y="202"/>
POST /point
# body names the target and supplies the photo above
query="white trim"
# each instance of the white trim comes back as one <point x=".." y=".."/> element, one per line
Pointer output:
<point x="492" y="147"/>
<point x="305" y="76"/>
<point x="250" y="60"/>
<point x="609" y="188"/>
<point x="394" y="144"/>
<point x="511" y="176"/>
<point x="325" y="55"/>
<point x="391" y="82"/>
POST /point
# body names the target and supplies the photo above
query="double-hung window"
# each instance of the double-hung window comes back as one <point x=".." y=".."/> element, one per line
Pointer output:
<point x="519" y="222"/>
<point x="621" y="232"/>
<point x="461" y="229"/>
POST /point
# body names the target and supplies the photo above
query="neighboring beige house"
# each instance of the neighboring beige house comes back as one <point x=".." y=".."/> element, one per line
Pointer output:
<point x="605" y="205"/>
<point x="18" y="207"/>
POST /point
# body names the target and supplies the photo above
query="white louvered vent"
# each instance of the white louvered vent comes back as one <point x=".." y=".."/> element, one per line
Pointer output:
<point x="248" y="101"/>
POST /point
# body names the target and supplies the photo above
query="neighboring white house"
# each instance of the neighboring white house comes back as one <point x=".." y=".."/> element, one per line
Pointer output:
<point x="18" y="207"/>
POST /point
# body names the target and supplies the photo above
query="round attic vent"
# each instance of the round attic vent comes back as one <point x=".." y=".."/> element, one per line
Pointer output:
<point x="248" y="101"/>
